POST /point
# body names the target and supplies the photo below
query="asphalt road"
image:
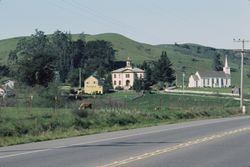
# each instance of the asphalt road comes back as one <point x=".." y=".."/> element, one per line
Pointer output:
<point x="207" y="143"/>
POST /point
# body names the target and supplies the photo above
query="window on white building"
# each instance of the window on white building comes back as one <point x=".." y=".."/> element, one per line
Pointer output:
<point x="120" y="82"/>
<point x="114" y="82"/>
<point x="127" y="76"/>
<point x="114" y="75"/>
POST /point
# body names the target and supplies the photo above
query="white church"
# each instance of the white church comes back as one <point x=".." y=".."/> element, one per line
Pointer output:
<point x="213" y="79"/>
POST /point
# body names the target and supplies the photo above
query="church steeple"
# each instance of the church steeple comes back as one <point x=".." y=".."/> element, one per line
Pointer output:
<point x="226" y="69"/>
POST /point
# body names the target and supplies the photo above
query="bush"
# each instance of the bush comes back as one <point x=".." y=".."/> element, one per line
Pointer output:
<point x="82" y="113"/>
<point x="44" y="96"/>
<point x="23" y="127"/>
<point x="7" y="129"/>
<point x="82" y="123"/>
<point x="185" y="115"/>
<point x="81" y="118"/>
<point x="122" y="120"/>
<point x="118" y="88"/>
<point x="161" y="115"/>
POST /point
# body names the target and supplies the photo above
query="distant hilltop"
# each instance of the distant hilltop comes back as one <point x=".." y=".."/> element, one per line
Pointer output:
<point x="185" y="57"/>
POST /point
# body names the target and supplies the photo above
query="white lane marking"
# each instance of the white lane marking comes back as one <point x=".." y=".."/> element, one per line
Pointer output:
<point x="24" y="153"/>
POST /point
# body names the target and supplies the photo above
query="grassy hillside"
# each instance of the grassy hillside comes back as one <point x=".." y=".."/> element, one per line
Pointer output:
<point x="190" y="57"/>
<point x="126" y="47"/>
<point x="5" y="47"/>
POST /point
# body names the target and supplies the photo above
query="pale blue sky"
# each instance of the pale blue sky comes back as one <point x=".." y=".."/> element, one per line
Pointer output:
<point x="208" y="22"/>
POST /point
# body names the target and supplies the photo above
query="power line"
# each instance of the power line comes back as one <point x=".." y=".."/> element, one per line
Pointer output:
<point x="101" y="15"/>
<point x="63" y="8"/>
<point x="107" y="20"/>
<point x="78" y="13"/>
<point x="116" y="22"/>
<point x="100" y="19"/>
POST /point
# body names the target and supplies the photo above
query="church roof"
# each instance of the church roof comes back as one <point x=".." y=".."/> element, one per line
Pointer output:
<point x="213" y="74"/>
<point x="195" y="77"/>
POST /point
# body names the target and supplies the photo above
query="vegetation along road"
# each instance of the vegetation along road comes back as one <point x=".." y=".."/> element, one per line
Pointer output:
<point x="215" y="142"/>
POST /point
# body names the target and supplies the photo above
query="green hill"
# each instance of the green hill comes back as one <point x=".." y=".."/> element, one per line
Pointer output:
<point x="5" y="46"/>
<point x="190" y="57"/>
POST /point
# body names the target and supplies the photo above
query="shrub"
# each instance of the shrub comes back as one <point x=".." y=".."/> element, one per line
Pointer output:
<point x="82" y="123"/>
<point x="118" y="88"/>
<point x="81" y="118"/>
<point x="185" y="115"/>
<point x="23" y="127"/>
<point x="7" y="129"/>
<point x="122" y="120"/>
<point x="161" y="115"/>
<point x="82" y="113"/>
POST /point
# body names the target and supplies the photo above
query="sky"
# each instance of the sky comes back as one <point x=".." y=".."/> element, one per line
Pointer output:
<point x="212" y="23"/>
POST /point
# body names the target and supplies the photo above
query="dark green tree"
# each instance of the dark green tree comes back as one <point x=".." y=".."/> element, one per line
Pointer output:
<point x="138" y="84"/>
<point x="78" y="52"/>
<point x="99" y="57"/>
<point x="217" y="63"/>
<point x="38" y="57"/>
<point x="73" y="77"/>
<point x="163" y="70"/>
<point x="108" y="83"/>
<point x="39" y="69"/>
<point x="148" y="79"/>
<point x="62" y="45"/>
<point x="36" y="62"/>
<point x="12" y="57"/>
<point x="4" y="70"/>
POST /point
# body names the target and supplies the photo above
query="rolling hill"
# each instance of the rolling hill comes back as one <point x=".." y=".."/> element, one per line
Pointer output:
<point x="187" y="57"/>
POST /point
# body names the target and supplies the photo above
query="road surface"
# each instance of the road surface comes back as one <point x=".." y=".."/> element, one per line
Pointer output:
<point x="207" y="143"/>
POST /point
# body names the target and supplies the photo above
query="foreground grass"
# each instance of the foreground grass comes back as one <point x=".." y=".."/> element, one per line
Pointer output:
<point x="21" y="125"/>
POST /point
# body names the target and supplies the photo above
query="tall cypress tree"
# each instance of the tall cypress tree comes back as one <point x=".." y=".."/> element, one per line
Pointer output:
<point x="217" y="63"/>
<point x="163" y="69"/>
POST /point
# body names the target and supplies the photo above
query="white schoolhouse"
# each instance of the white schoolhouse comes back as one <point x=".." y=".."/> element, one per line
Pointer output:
<point x="125" y="77"/>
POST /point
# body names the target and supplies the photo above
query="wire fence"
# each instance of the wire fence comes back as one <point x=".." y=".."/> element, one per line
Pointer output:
<point x="63" y="102"/>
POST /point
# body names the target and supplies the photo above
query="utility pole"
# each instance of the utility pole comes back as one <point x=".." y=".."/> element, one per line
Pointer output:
<point x="241" y="72"/>
<point x="80" y="78"/>
<point x="176" y="81"/>
<point x="183" y="77"/>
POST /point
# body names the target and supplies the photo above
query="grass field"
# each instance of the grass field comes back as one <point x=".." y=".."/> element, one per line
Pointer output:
<point x="121" y="110"/>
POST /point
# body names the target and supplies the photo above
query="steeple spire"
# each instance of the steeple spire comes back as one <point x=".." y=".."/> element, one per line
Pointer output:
<point x="226" y="63"/>
<point x="226" y="69"/>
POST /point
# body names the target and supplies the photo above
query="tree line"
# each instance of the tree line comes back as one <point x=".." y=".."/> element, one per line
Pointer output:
<point x="38" y="57"/>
